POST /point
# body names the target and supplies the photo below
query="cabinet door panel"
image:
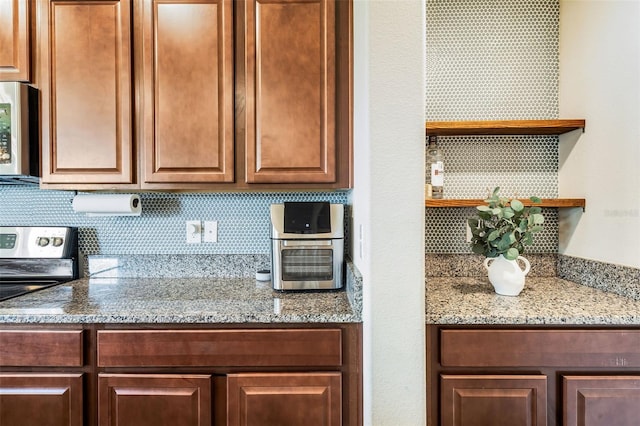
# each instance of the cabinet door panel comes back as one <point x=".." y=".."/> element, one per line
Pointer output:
<point x="264" y="399"/>
<point x="493" y="400"/>
<point x="187" y="62"/>
<point x="14" y="40"/>
<point x="154" y="400"/>
<point x="601" y="400"/>
<point x="290" y="85"/>
<point x="86" y="91"/>
<point x="40" y="399"/>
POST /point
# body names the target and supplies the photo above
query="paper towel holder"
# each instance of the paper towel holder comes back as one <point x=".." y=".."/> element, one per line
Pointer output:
<point x="98" y="204"/>
<point x="136" y="201"/>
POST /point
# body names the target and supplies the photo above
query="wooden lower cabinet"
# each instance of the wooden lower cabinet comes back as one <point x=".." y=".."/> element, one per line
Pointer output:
<point x="284" y="399"/>
<point x="38" y="399"/>
<point x="138" y="375"/>
<point x="260" y="399"/>
<point x="154" y="400"/>
<point x="281" y="376"/>
<point x="527" y="375"/>
<point x="601" y="400"/>
<point x="499" y="400"/>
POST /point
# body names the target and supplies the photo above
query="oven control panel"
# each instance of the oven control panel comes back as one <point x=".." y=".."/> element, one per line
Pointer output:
<point x="53" y="242"/>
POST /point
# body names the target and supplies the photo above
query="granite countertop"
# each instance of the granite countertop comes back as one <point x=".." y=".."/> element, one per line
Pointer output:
<point x="176" y="300"/>
<point x="544" y="300"/>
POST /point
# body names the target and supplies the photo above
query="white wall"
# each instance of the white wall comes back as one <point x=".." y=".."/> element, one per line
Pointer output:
<point x="388" y="202"/>
<point x="600" y="81"/>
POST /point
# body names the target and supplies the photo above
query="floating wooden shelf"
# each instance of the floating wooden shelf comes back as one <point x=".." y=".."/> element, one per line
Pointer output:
<point x="546" y="202"/>
<point x="503" y="127"/>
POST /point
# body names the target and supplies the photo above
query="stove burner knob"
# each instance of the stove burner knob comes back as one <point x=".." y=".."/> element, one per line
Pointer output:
<point x="43" y="241"/>
<point x="57" y="241"/>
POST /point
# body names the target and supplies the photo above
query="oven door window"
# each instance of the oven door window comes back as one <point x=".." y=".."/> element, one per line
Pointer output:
<point x="307" y="264"/>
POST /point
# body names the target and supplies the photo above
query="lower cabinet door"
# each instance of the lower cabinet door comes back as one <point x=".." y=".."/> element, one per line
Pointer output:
<point x="601" y="400"/>
<point x="493" y="400"/>
<point x="35" y="399"/>
<point x="284" y="399"/>
<point x="154" y="399"/>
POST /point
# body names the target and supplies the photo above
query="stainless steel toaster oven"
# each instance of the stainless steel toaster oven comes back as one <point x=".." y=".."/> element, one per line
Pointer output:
<point x="307" y="246"/>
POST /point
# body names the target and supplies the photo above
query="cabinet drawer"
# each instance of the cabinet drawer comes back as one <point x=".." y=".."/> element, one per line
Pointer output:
<point x="35" y="348"/>
<point x="540" y="348"/>
<point x="157" y="348"/>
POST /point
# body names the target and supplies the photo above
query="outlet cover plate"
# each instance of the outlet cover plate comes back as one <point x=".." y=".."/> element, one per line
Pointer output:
<point x="210" y="231"/>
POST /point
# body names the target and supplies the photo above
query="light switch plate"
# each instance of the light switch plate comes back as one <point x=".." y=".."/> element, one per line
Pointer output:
<point x="194" y="232"/>
<point x="210" y="231"/>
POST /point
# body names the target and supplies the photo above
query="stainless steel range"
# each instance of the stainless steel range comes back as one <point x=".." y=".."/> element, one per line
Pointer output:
<point x="307" y="246"/>
<point x="35" y="257"/>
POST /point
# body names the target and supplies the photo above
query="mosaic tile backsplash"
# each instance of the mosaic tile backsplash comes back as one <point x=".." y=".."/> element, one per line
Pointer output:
<point x="243" y="220"/>
<point x="492" y="60"/>
<point x="446" y="232"/>
<point x="521" y="166"/>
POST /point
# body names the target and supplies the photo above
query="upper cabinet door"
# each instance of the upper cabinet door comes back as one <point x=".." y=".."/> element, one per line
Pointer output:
<point x="14" y="40"/>
<point x="85" y="55"/>
<point x="290" y="55"/>
<point x="186" y="77"/>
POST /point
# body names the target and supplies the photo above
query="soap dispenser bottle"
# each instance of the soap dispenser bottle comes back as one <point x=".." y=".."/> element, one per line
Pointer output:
<point x="435" y="168"/>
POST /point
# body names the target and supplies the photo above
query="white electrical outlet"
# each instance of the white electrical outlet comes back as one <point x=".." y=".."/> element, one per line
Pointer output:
<point x="210" y="231"/>
<point x="194" y="232"/>
<point x="469" y="235"/>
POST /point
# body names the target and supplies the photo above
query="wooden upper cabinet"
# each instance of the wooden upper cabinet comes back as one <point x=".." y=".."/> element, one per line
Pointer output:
<point x="290" y="60"/>
<point x="195" y="94"/>
<point x="14" y="40"/>
<point x="85" y="59"/>
<point x="186" y="76"/>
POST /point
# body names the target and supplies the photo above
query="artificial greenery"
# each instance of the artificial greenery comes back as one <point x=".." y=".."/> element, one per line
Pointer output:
<point x="504" y="226"/>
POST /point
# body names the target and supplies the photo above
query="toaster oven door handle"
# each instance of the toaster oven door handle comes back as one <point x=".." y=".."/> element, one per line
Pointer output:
<point x="307" y="243"/>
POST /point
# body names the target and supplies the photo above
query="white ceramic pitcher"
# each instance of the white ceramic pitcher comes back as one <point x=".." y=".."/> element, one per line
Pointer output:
<point x="505" y="275"/>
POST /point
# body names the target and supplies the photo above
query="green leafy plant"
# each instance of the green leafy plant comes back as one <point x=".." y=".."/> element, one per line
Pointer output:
<point x="504" y="226"/>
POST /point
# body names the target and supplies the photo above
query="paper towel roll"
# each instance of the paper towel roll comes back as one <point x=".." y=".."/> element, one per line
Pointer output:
<point x="108" y="204"/>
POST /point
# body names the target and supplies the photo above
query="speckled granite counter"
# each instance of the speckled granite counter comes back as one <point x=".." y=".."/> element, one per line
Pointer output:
<point x="544" y="300"/>
<point x="176" y="300"/>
